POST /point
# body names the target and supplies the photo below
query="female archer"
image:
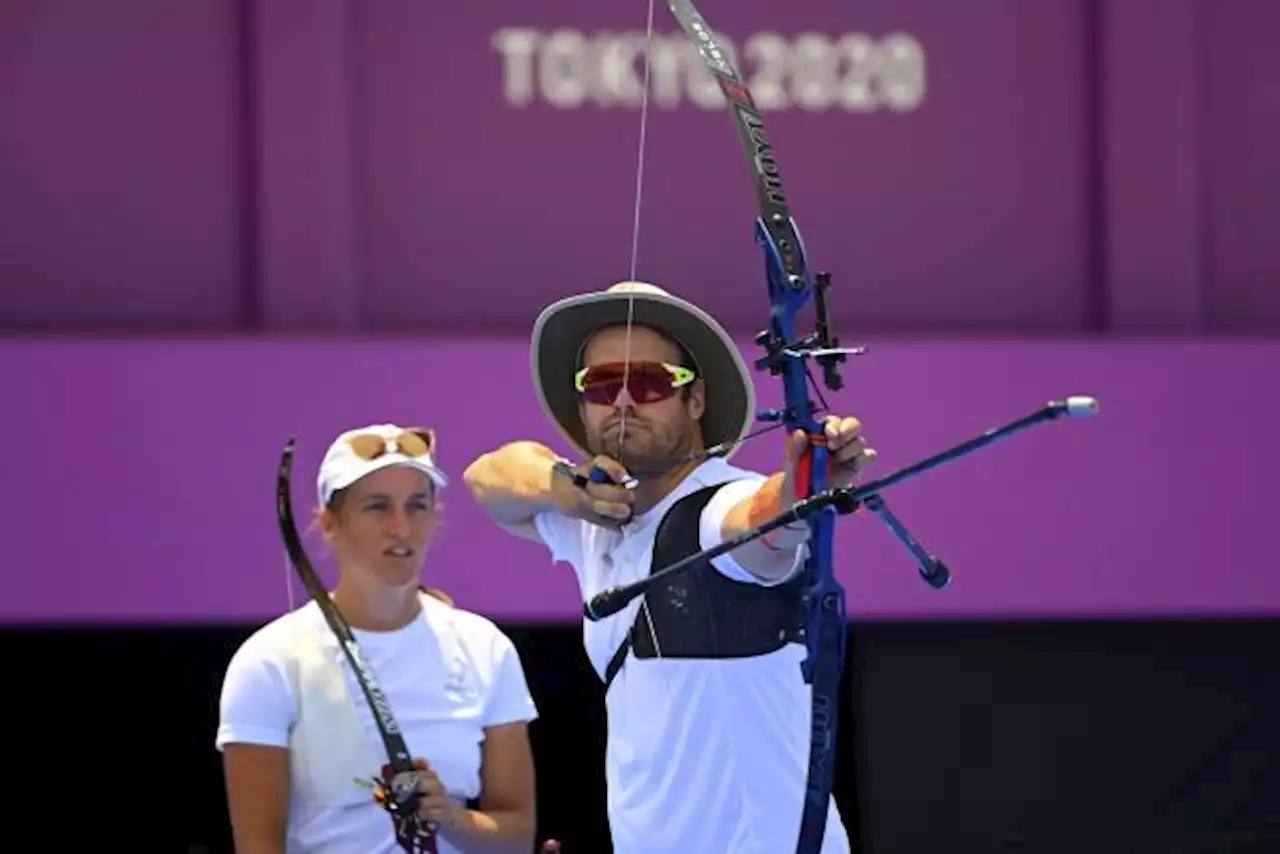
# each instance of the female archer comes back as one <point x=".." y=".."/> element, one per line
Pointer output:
<point x="296" y="734"/>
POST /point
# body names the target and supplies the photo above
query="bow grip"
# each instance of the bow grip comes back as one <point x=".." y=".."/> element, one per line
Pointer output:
<point x="804" y="465"/>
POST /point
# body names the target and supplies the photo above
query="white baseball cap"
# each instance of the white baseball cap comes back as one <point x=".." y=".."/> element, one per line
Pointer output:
<point x="364" y="450"/>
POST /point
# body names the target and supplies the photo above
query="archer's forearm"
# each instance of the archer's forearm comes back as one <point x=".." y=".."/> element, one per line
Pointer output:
<point x="513" y="483"/>
<point x="496" y="831"/>
<point x="772" y="556"/>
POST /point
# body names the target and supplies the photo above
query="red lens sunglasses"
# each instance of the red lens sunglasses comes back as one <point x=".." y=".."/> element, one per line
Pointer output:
<point x="646" y="382"/>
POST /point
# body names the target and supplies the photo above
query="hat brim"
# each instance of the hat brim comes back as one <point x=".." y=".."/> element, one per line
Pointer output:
<point x="562" y="327"/>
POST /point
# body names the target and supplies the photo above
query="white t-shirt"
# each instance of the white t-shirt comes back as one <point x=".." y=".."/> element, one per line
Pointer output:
<point x="703" y="755"/>
<point x="447" y="675"/>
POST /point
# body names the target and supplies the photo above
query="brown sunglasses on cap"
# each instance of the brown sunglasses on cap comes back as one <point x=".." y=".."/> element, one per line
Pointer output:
<point x="412" y="442"/>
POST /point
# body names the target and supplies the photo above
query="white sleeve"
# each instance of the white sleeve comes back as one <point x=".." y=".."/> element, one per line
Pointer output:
<point x="711" y="534"/>
<point x="561" y="535"/>
<point x="509" y="700"/>
<point x="257" y="705"/>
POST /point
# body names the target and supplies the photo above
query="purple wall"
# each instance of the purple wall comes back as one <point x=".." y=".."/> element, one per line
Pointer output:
<point x="325" y="165"/>
<point x="361" y="170"/>
<point x="139" y="477"/>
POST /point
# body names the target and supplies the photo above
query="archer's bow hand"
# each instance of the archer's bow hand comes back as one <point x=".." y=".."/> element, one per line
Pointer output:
<point x="576" y="494"/>
<point x="848" y="455"/>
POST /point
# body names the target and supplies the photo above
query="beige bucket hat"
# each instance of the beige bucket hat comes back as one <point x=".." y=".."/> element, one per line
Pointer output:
<point x="564" y="326"/>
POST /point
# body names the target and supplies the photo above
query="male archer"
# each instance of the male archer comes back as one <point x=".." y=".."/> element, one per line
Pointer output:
<point x="708" y="713"/>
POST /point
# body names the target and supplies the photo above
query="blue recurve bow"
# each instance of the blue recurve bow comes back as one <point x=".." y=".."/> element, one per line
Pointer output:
<point x="792" y="286"/>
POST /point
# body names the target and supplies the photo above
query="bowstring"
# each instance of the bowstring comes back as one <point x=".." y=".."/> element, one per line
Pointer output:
<point x="640" y="152"/>
<point x="638" y="197"/>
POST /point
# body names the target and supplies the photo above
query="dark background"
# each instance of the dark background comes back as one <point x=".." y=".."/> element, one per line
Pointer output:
<point x="958" y="737"/>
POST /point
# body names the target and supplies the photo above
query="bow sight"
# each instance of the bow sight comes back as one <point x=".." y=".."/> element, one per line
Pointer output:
<point x="819" y="345"/>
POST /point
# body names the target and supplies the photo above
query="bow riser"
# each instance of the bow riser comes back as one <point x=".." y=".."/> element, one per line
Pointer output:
<point x="824" y="628"/>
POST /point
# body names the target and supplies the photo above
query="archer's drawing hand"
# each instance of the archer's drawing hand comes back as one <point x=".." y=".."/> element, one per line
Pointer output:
<point x="848" y="452"/>
<point x="605" y="504"/>
<point x="436" y="805"/>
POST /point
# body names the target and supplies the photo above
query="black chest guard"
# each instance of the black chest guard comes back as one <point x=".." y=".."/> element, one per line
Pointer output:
<point x="702" y="613"/>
